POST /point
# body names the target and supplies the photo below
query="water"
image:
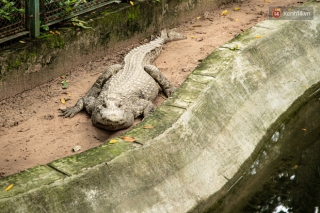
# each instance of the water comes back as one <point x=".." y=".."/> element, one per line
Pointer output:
<point x="285" y="177"/>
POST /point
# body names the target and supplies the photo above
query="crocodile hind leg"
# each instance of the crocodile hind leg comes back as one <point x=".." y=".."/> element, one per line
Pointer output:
<point x="87" y="102"/>
<point x="164" y="83"/>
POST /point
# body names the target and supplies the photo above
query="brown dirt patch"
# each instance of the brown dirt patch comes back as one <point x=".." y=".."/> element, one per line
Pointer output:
<point x="31" y="131"/>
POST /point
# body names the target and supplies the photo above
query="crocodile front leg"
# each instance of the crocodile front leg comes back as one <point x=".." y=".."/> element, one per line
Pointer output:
<point x="143" y="107"/>
<point x="164" y="83"/>
<point x="87" y="102"/>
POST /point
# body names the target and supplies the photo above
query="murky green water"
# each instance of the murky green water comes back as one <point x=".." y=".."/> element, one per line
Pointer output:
<point x="286" y="175"/>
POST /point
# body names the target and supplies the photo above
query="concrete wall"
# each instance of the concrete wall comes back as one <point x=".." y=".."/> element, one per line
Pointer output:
<point x="27" y="65"/>
<point x="204" y="138"/>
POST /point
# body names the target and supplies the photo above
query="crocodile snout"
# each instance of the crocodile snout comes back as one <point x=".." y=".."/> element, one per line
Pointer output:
<point x="114" y="117"/>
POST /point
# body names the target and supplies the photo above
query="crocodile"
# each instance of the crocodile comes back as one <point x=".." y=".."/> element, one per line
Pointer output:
<point x="126" y="91"/>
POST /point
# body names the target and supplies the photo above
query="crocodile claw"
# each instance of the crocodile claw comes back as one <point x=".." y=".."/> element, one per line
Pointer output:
<point x="69" y="112"/>
<point x="170" y="91"/>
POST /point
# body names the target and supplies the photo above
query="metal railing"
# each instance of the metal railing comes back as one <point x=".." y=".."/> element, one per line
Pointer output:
<point x="13" y="23"/>
<point x="43" y="12"/>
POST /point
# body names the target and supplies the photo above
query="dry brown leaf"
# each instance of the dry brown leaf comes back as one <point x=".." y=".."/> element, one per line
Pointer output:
<point x="198" y="17"/>
<point x="304" y="129"/>
<point x="148" y="127"/>
<point x="258" y="36"/>
<point x="69" y="94"/>
<point x="129" y="139"/>
<point x="51" y="32"/>
<point x="63" y="100"/>
<point x="131" y="2"/>
<point x="236" y="8"/>
<point x="57" y="32"/>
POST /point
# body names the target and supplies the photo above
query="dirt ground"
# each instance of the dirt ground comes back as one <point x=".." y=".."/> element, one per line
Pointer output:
<point x="31" y="130"/>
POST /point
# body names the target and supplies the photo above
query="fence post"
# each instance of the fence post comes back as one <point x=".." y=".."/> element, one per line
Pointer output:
<point x="33" y="17"/>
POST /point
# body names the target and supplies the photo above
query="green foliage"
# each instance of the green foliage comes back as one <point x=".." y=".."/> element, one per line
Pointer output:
<point x="8" y="8"/>
<point x="44" y="27"/>
<point x="76" y="22"/>
<point x="69" y="6"/>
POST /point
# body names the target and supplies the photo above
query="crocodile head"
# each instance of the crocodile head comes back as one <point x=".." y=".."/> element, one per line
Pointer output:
<point x="113" y="114"/>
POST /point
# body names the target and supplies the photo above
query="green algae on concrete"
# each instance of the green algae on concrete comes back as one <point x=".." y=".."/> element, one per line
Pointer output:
<point x="77" y="163"/>
<point x="189" y="91"/>
<point x="27" y="180"/>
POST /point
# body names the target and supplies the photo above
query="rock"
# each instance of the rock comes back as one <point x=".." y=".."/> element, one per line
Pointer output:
<point x="76" y="148"/>
<point x="62" y="106"/>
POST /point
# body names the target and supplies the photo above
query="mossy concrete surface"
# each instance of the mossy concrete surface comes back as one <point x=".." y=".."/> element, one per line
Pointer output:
<point x="204" y="138"/>
<point x="36" y="61"/>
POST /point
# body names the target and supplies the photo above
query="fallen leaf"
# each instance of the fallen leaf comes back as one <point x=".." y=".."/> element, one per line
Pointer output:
<point x="69" y="94"/>
<point x="229" y="34"/>
<point x="225" y="12"/>
<point x="267" y="1"/>
<point x="148" y="127"/>
<point x="129" y="139"/>
<point x="51" y="32"/>
<point x="192" y="37"/>
<point x="295" y="167"/>
<point x="237" y="20"/>
<point x="57" y="32"/>
<point x="63" y="100"/>
<point x="63" y="76"/>
<point x="113" y="141"/>
<point x="65" y="84"/>
<point x="22" y="42"/>
<point x="236" y="8"/>
<point x="258" y="36"/>
<point x="9" y="187"/>
<point x="236" y="47"/>
<point x="198" y="17"/>
<point x="131" y="2"/>
<point x="304" y="129"/>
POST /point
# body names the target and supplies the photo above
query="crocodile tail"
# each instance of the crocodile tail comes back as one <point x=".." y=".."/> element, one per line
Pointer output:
<point x="171" y="35"/>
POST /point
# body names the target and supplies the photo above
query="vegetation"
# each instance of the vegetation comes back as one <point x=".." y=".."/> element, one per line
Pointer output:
<point x="7" y="9"/>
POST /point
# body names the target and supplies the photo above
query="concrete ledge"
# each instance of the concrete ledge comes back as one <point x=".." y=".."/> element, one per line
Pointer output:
<point x="204" y="137"/>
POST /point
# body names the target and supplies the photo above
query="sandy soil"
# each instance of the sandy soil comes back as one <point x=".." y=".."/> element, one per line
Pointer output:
<point x="31" y="130"/>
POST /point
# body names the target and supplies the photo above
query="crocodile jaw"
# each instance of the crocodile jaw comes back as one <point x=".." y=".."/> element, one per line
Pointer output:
<point x="112" y="119"/>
